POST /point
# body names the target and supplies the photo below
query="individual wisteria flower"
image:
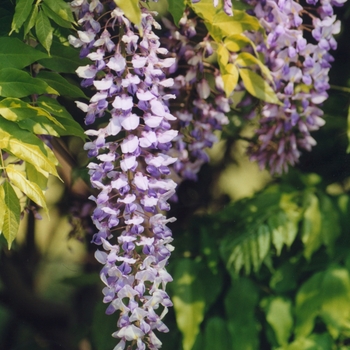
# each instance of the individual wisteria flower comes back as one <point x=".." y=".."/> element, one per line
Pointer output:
<point x="130" y="165"/>
<point x="202" y="110"/>
<point x="299" y="63"/>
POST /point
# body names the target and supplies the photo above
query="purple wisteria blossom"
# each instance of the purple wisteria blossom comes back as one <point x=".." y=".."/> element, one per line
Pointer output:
<point x="203" y="109"/>
<point x="300" y="72"/>
<point x="130" y="165"/>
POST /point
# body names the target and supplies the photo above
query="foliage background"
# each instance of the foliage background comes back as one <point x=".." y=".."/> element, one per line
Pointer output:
<point x="260" y="262"/>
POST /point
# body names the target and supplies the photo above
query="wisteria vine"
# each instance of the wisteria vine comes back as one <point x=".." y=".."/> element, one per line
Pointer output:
<point x="157" y="111"/>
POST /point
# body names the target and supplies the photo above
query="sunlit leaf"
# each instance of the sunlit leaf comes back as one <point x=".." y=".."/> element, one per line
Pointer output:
<point x="229" y="76"/>
<point x="12" y="212"/>
<point x="31" y="189"/>
<point x="131" y="10"/>
<point x="245" y="59"/>
<point x="257" y="86"/>
<point x="44" y="30"/>
<point x="236" y="42"/>
<point x="22" y="11"/>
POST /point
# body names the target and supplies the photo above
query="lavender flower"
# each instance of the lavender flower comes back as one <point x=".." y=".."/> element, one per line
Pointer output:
<point x="131" y="165"/>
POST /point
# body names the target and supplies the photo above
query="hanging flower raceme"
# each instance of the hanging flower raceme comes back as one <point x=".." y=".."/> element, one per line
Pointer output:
<point x="202" y="108"/>
<point x="131" y="164"/>
<point x="299" y="62"/>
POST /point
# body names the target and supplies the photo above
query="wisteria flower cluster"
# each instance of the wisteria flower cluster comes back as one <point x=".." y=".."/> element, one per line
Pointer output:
<point x="297" y="53"/>
<point x="131" y="165"/>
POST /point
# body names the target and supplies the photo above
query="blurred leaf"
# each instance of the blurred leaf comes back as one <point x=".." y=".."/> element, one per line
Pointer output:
<point x="2" y="205"/>
<point x="284" y="279"/>
<point x="230" y="78"/>
<point x="17" y="83"/>
<point x="236" y="42"/>
<point x="279" y="316"/>
<point x="240" y="303"/>
<point x="176" y="9"/>
<point x="31" y="189"/>
<point x="216" y="335"/>
<point x="325" y="294"/>
<point x="188" y="300"/>
<point x="44" y="30"/>
<point x="35" y="176"/>
<point x="12" y="212"/>
<point x="22" y="11"/>
<point x="131" y="10"/>
<point x="61" y="85"/>
<point x="314" y="342"/>
<point x="86" y="279"/>
<point x="258" y="87"/>
<point x="16" y="54"/>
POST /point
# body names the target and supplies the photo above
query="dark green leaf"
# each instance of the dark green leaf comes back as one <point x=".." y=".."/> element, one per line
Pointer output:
<point x="17" y="83"/>
<point x="44" y="30"/>
<point x="216" y="335"/>
<point x="61" y="85"/>
<point x="22" y="11"/>
<point x="176" y="9"/>
<point x="30" y="22"/>
<point x="16" y="54"/>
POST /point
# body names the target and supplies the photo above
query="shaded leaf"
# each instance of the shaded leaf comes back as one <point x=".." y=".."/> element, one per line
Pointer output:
<point x="61" y="85"/>
<point x="12" y="212"/>
<point x="31" y="189"/>
<point x="17" y="83"/>
<point x="16" y="54"/>
<point x="2" y="205"/>
<point x="216" y="335"/>
<point x="22" y="11"/>
<point x="44" y="30"/>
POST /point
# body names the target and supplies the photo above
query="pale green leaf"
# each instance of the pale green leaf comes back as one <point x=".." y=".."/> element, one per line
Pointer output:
<point x="22" y="11"/>
<point x="131" y="10"/>
<point x="279" y="316"/>
<point x="35" y="176"/>
<point x="16" y="54"/>
<point x="188" y="301"/>
<point x="17" y="83"/>
<point x="61" y="85"/>
<point x="26" y="146"/>
<point x="245" y="59"/>
<point x="229" y="76"/>
<point x="176" y="9"/>
<point x="12" y="213"/>
<point x="59" y="11"/>
<point x="2" y="205"/>
<point x="223" y="55"/>
<point x="44" y="30"/>
<point x="30" y="22"/>
<point x="258" y="87"/>
<point x="312" y="221"/>
<point x="71" y="127"/>
<point x="237" y="42"/>
<point x="63" y="59"/>
<point x="204" y="9"/>
<point x="29" y="188"/>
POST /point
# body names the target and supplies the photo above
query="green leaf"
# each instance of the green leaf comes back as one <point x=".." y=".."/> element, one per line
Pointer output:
<point x="240" y="303"/>
<point x="314" y="342"/>
<point x="34" y="119"/>
<point x="26" y="146"/>
<point x="176" y="9"/>
<point x="216" y="335"/>
<point x="245" y="59"/>
<point x="59" y="11"/>
<point x="131" y="10"/>
<point x="44" y="30"/>
<point x="17" y="83"/>
<point x="35" y="176"/>
<point x="71" y="127"/>
<point x="61" y="85"/>
<point x="30" y="22"/>
<point x="325" y="294"/>
<point x="223" y="55"/>
<point x="188" y="300"/>
<point x="16" y="54"/>
<point x="258" y="87"/>
<point x="279" y="316"/>
<point x="22" y="11"/>
<point x="236" y="42"/>
<point x="63" y="59"/>
<point x="30" y="189"/>
<point x="2" y="205"/>
<point x="12" y="213"/>
<point x="311" y="229"/>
